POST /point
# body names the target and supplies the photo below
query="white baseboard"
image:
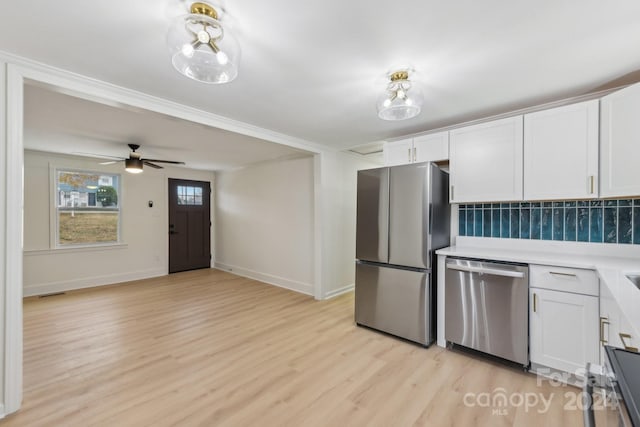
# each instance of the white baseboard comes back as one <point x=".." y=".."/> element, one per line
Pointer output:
<point x="89" y="282"/>
<point x="2" y="413"/>
<point x="304" y="288"/>
<point x="339" y="291"/>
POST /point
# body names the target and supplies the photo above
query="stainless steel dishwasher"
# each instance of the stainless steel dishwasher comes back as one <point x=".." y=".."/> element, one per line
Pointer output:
<point x="486" y="307"/>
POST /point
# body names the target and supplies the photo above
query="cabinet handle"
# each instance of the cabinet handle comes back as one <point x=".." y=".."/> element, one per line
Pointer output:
<point x="414" y="154"/>
<point x="452" y="193"/>
<point x="556" y="273"/>
<point x="409" y="155"/>
<point x="627" y="347"/>
<point x="591" y="180"/>
<point x="535" y="302"/>
<point x="603" y="321"/>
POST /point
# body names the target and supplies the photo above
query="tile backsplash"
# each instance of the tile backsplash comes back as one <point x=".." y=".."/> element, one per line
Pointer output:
<point x="601" y="221"/>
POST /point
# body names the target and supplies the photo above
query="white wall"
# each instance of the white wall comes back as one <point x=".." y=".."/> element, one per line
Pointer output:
<point x="338" y="176"/>
<point x="4" y="279"/>
<point x="264" y="222"/>
<point x="144" y="234"/>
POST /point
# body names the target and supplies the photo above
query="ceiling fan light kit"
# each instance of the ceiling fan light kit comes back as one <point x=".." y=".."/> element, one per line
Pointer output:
<point x="401" y="100"/>
<point x="133" y="165"/>
<point x="135" y="161"/>
<point x="202" y="48"/>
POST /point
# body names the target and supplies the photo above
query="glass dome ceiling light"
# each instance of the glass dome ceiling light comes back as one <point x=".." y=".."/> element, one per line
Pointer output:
<point x="401" y="100"/>
<point x="202" y="48"/>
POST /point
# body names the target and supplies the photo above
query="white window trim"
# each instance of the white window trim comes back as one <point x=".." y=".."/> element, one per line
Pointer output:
<point x="54" y="243"/>
<point x="76" y="249"/>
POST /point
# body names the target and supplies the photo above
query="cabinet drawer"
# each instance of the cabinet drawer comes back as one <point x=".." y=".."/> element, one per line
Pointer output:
<point x="564" y="279"/>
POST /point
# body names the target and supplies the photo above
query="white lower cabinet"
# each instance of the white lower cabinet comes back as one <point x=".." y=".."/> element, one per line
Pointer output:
<point x="615" y="329"/>
<point x="563" y="329"/>
<point x="563" y="326"/>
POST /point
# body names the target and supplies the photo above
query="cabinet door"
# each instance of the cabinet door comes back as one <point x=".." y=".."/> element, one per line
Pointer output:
<point x="619" y="146"/>
<point x="563" y="329"/>
<point x="609" y="321"/>
<point x="615" y="329"/>
<point x="431" y="148"/>
<point x="629" y="339"/>
<point x="486" y="162"/>
<point x="398" y="152"/>
<point x="561" y="153"/>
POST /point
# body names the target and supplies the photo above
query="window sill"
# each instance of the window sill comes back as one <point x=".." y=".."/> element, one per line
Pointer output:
<point x="76" y="249"/>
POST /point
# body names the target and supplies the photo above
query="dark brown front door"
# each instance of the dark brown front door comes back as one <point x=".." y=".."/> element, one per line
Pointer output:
<point x="189" y="225"/>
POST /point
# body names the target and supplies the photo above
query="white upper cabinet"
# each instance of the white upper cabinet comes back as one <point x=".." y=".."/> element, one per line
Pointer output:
<point x="398" y="152"/>
<point x="431" y="148"/>
<point x="561" y="153"/>
<point x="486" y="162"/>
<point x="427" y="148"/>
<point x="620" y="143"/>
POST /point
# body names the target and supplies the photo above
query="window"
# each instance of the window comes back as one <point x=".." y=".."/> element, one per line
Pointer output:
<point x="189" y="195"/>
<point x="87" y="208"/>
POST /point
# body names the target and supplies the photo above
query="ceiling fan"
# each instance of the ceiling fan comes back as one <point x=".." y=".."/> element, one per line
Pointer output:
<point x="135" y="161"/>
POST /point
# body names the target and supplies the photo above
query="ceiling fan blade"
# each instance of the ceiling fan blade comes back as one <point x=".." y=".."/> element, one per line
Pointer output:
<point x="111" y="162"/>
<point x="151" y="164"/>
<point x="98" y="156"/>
<point x="163" y="161"/>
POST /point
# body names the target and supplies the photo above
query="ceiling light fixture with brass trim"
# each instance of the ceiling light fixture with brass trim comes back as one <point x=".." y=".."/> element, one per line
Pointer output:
<point x="401" y="100"/>
<point x="202" y="48"/>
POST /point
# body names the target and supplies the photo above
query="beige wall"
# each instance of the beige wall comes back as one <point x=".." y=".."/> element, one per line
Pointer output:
<point x="264" y="222"/>
<point x="144" y="252"/>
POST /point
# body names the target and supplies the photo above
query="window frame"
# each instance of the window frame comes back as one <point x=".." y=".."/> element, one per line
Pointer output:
<point x="56" y="210"/>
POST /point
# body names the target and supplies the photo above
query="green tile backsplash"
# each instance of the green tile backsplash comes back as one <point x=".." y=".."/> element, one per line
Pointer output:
<point x="601" y="221"/>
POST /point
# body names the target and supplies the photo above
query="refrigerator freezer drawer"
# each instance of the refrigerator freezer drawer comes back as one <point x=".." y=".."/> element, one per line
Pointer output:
<point x="396" y="301"/>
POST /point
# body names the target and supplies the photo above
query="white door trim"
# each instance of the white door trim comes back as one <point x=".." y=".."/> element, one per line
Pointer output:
<point x="13" y="242"/>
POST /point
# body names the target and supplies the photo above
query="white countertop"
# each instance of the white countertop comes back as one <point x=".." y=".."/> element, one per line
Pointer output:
<point x="611" y="269"/>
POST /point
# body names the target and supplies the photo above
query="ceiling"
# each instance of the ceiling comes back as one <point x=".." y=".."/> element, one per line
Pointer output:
<point x="61" y="123"/>
<point x="313" y="70"/>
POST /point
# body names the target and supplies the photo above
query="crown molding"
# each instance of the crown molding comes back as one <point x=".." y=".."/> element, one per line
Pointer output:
<point x="100" y="91"/>
<point x="526" y="110"/>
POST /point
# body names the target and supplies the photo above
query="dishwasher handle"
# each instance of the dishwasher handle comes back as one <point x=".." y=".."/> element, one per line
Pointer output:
<point x="485" y="270"/>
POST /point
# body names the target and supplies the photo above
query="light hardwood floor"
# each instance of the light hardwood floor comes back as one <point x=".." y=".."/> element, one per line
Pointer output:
<point x="208" y="348"/>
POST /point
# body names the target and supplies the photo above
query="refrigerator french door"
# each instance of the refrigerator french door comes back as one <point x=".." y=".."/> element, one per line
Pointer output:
<point x="402" y="218"/>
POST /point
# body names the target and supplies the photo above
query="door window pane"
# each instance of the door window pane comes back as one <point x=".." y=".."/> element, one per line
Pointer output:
<point x="188" y="195"/>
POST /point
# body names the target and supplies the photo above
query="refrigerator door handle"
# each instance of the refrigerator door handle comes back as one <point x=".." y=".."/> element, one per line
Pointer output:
<point x="483" y="270"/>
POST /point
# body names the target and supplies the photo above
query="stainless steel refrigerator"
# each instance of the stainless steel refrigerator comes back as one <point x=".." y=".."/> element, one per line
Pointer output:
<point x="403" y="216"/>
